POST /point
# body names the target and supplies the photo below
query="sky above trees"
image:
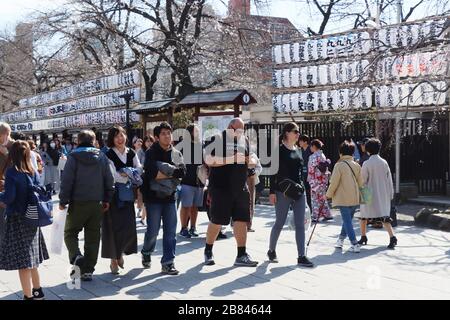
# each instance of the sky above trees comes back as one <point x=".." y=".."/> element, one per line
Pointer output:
<point x="17" y="10"/>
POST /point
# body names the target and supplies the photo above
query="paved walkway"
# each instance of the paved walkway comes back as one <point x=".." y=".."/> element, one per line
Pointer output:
<point x="418" y="269"/>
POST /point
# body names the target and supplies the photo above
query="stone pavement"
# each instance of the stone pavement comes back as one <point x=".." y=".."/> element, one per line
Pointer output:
<point x="418" y="269"/>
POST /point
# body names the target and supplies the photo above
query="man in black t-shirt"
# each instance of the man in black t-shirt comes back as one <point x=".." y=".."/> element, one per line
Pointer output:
<point x="227" y="155"/>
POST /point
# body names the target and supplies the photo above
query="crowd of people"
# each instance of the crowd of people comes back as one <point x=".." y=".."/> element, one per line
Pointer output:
<point x="101" y="187"/>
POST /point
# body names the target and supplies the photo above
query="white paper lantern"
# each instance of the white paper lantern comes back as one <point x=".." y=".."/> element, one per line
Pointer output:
<point x="342" y="72"/>
<point x="379" y="96"/>
<point x="286" y="78"/>
<point x="379" y="69"/>
<point x="312" y="50"/>
<point x="332" y="68"/>
<point x="303" y="76"/>
<point x="380" y="38"/>
<point x="278" y="58"/>
<point x="342" y="99"/>
<point x="276" y="103"/>
<point x="396" y="37"/>
<point x="322" y="100"/>
<point x="364" y="69"/>
<point x="285" y="103"/>
<point x="305" y="50"/>
<point x="296" y="52"/>
<point x="294" y="102"/>
<point x="438" y="63"/>
<point x="295" y="80"/>
<point x="301" y="51"/>
<point x="302" y="102"/>
<point x="322" y="48"/>
<point x="323" y="74"/>
<point x="332" y="100"/>
<point x="287" y="53"/>
<point x="311" y="77"/>
<point x="354" y="99"/>
<point x="438" y="94"/>
<point x="311" y="101"/>
<point x="331" y="47"/>
<point x="342" y="46"/>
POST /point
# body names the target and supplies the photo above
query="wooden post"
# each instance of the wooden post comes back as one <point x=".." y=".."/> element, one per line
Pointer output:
<point x="196" y="113"/>
<point x="170" y="116"/>
<point x="236" y="110"/>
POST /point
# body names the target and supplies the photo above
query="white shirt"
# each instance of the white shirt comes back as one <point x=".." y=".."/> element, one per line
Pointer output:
<point x="34" y="160"/>
<point x="123" y="157"/>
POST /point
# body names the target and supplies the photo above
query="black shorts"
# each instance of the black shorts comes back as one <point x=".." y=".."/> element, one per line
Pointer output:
<point x="226" y="205"/>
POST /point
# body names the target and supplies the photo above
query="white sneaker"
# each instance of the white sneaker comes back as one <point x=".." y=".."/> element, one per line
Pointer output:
<point x="339" y="243"/>
<point x="356" y="248"/>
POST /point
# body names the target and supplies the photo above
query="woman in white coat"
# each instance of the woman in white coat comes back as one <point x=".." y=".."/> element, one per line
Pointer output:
<point x="377" y="177"/>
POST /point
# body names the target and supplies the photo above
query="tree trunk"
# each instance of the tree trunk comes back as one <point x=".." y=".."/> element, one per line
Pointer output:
<point x="149" y="92"/>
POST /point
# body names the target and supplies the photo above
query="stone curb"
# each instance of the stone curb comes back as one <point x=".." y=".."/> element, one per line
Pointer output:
<point x="433" y="218"/>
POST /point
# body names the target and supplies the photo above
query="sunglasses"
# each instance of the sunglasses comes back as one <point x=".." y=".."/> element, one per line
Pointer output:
<point x="295" y="131"/>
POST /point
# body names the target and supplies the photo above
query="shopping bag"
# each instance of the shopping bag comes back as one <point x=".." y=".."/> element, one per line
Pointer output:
<point x="57" y="232"/>
<point x="291" y="221"/>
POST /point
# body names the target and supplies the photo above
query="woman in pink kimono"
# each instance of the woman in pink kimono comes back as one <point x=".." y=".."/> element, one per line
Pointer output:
<point x="318" y="175"/>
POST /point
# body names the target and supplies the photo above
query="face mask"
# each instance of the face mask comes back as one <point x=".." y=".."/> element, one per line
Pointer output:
<point x="52" y="145"/>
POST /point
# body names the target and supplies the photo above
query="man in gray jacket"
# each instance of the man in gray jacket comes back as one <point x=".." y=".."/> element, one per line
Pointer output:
<point x="87" y="186"/>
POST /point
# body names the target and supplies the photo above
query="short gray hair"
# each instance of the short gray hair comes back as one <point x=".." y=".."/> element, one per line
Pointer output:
<point x="86" y="137"/>
<point x="5" y="128"/>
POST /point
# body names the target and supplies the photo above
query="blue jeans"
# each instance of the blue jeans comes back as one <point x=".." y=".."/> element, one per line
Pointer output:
<point x="156" y="212"/>
<point x="347" y="214"/>
<point x="281" y="210"/>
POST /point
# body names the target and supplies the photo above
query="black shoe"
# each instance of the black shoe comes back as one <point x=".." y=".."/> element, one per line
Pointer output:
<point x="146" y="261"/>
<point x="363" y="240"/>
<point x="86" y="277"/>
<point x="304" y="262"/>
<point x="169" y="269"/>
<point x="26" y="298"/>
<point x="209" y="259"/>
<point x="78" y="263"/>
<point x="272" y="256"/>
<point x="38" y="294"/>
<point x="221" y="235"/>
<point x="392" y="243"/>
<point x="185" y="233"/>
<point x="245" y="261"/>
<point x="328" y="218"/>
<point x="193" y="233"/>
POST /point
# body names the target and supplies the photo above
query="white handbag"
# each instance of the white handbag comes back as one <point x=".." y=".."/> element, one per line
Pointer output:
<point x="202" y="174"/>
<point x="57" y="231"/>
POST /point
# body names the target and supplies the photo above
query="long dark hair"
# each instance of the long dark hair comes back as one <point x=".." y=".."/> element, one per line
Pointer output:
<point x="288" y="127"/>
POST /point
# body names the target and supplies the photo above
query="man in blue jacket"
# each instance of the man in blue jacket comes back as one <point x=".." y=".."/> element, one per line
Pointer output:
<point x="87" y="186"/>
